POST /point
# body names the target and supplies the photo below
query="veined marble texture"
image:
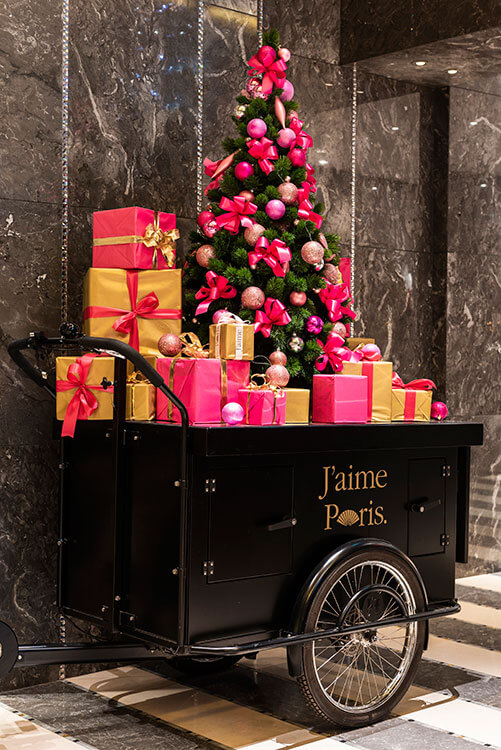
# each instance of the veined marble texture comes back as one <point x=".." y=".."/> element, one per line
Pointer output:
<point x="309" y="28"/>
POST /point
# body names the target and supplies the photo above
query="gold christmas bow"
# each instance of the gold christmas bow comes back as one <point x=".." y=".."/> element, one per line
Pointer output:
<point x="192" y="347"/>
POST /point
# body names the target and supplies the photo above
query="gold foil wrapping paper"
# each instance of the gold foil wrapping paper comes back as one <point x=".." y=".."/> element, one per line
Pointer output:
<point x="419" y="410"/>
<point x="297" y="407"/>
<point x="379" y="384"/>
<point x="101" y="367"/>
<point x="231" y="341"/>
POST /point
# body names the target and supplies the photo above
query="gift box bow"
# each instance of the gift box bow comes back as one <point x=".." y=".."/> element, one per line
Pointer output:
<point x="333" y="353"/>
<point x="260" y="387"/>
<point x="421" y="384"/>
<point x="84" y="402"/>
<point x="272" y="70"/>
<point x="273" y="253"/>
<point x="162" y="241"/>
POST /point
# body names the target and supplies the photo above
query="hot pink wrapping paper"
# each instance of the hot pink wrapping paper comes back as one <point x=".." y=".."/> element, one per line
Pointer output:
<point x="263" y="406"/>
<point x="335" y="400"/>
<point x="201" y="385"/>
<point x="124" y="222"/>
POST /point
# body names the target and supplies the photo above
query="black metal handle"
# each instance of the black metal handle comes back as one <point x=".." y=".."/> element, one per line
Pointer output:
<point x="423" y="505"/>
<point x="285" y="524"/>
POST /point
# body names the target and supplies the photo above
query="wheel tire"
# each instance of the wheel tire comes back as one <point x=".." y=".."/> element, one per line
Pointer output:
<point x="333" y="709"/>
<point x="198" y="666"/>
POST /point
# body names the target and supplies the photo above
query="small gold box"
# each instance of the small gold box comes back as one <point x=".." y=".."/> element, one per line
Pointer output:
<point x="352" y="343"/>
<point x="231" y="341"/>
<point x="297" y="406"/>
<point x="140" y="402"/>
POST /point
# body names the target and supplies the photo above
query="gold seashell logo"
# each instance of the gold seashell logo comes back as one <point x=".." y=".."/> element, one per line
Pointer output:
<point x="348" y="518"/>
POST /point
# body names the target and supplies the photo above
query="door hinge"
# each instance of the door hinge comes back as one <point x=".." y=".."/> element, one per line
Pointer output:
<point x="446" y="470"/>
<point x="444" y="540"/>
<point x="210" y="485"/>
<point x="208" y="568"/>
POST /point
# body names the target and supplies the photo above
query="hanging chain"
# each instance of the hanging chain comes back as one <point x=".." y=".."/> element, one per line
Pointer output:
<point x="64" y="158"/>
<point x="62" y="639"/>
<point x="353" y="178"/>
<point x="200" y="103"/>
<point x="260" y="22"/>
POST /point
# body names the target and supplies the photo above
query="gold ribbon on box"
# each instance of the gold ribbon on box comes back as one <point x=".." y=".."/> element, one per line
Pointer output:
<point x="264" y="386"/>
<point x="192" y="349"/>
<point x="162" y="242"/>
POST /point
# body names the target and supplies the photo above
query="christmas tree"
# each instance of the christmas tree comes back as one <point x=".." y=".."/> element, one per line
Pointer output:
<point x="259" y="251"/>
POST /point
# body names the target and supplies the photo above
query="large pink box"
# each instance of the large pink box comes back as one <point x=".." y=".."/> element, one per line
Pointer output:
<point x="335" y="400"/>
<point x="263" y="406"/>
<point x="120" y="235"/>
<point x="203" y="385"/>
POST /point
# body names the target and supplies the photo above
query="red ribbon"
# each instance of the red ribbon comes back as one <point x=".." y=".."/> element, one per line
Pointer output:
<point x="263" y="150"/>
<point x="421" y="384"/>
<point x="216" y="169"/>
<point x="147" y="307"/>
<point x="274" y="313"/>
<point x="217" y="287"/>
<point x="333" y="297"/>
<point x="83" y="402"/>
<point x="310" y="179"/>
<point x="305" y="207"/>
<point x="273" y="70"/>
<point x="334" y="353"/>
<point x="274" y="254"/>
<point x="238" y="211"/>
<point x="303" y="140"/>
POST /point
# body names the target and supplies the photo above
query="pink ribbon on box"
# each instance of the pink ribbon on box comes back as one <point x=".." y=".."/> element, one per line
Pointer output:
<point x="238" y="211"/>
<point x="83" y="403"/>
<point x="367" y="353"/>
<point x="273" y="253"/>
<point x="216" y="170"/>
<point x="305" y="209"/>
<point x="334" y="353"/>
<point x="217" y="287"/>
<point x="147" y="307"/>
<point x="272" y="70"/>
<point x="421" y="384"/>
<point x="303" y="140"/>
<point x="333" y="296"/>
<point x="310" y="179"/>
<point x="263" y="150"/>
<point x="274" y="313"/>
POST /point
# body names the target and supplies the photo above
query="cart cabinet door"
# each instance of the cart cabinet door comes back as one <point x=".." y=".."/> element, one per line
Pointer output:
<point x="426" y="506"/>
<point x="250" y="529"/>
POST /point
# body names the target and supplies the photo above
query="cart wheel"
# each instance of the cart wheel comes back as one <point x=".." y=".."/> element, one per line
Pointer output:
<point x="357" y="679"/>
<point x="197" y="666"/>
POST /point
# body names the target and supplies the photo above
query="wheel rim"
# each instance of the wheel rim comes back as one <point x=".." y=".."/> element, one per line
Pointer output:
<point x="360" y="671"/>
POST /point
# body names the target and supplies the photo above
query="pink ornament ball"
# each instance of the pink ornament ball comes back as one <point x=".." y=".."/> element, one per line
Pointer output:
<point x="286" y="137"/>
<point x="278" y="358"/>
<point x="252" y="298"/>
<point x="339" y="329"/>
<point x="331" y="273"/>
<point x="169" y="345"/>
<point x="297" y="157"/>
<point x="243" y="170"/>
<point x="204" y="254"/>
<point x="266" y="51"/>
<point x="253" y="233"/>
<point x="292" y="114"/>
<point x="277" y="375"/>
<point x="314" y="324"/>
<point x="204" y="217"/>
<point x="288" y="193"/>
<point x="256" y="128"/>
<point x="275" y="209"/>
<point x="439" y="410"/>
<point x="232" y="413"/>
<point x="312" y="252"/>
<point x="210" y="228"/>
<point x="298" y="299"/>
<point x="284" y="54"/>
<point x="288" y="92"/>
<point x="218" y="314"/>
<point x="247" y="194"/>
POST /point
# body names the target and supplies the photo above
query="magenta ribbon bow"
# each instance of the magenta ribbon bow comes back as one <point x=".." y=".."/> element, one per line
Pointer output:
<point x="333" y="296"/>
<point x="333" y="353"/>
<point x="263" y="150"/>
<point x="421" y="384"/>
<point x="272" y="70"/>
<point x="367" y="353"/>
<point x="274" y="313"/>
<point x="238" y="211"/>
<point x="305" y="209"/>
<point x="303" y="140"/>
<point x="216" y="169"/>
<point x="274" y="254"/>
<point x="83" y="402"/>
<point x="310" y="179"/>
<point x="217" y="287"/>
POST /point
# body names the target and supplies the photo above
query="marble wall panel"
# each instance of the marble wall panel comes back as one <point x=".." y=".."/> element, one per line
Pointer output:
<point x="308" y="28"/>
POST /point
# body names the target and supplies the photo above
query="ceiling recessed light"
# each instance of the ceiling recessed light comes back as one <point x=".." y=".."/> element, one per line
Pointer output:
<point x="452" y="72"/>
<point x="420" y="63"/>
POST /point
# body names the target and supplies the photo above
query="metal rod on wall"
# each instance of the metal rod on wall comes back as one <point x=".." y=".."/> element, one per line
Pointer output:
<point x="200" y="103"/>
<point x="353" y="179"/>
<point x="260" y="22"/>
<point x="65" y="70"/>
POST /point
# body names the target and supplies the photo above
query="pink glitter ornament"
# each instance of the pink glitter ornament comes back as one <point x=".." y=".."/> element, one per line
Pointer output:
<point x="256" y="128"/>
<point x="275" y="209"/>
<point x="204" y="217"/>
<point x="252" y="298"/>
<point x="278" y="358"/>
<point x="210" y="228"/>
<point x="288" y="193"/>
<point x="232" y="413"/>
<point x="247" y="194"/>
<point x="331" y="273"/>
<point x="284" y="54"/>
<point x="297" y="157"/>
<point x="254" y="88"/>
<point x="439" y="410"/>
<point x="288" y="92"/>
<point x="169" y="345"/>
<point x="286" y="137"/>
<point x="219" y="314"/>
<point x="277" y="375"/>
<point x="314" y="324"/>
<point x="243" y="170"/>
<point x="339" y="329"/>
<point x="298" y="299"/>
<point x="253" y="233"/>
<point x="204" y="254"/>
<point x="312" y="252"/>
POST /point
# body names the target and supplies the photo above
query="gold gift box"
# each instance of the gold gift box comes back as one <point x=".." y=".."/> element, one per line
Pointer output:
<point x="231" y="341"/>
<point x="140" y="402"/>
<point x="107" y="287"/>
<point x="421" y="408"/>
<point x="379" y="384"/>
<point x="151" y="360"/>
<point x="101" y="367"/>
<point x="352" y="343"/>
<point x="297" y="406"/>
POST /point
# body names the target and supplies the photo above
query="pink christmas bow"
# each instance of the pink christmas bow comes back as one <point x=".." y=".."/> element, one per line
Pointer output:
<point x="238" y="211"/>
<point x="305" y="209"/>
<point x="367" y="353"/>
<point x="263" y="150"/>
<point x="310" y="179"/>
<point x="216" y="169"/>
<point x="272" y="70"/>
<point x="333" y="296"/>
<point x="83" y="402"/>
<point x="334" y="353"/>
<point x="421" y="384"/>
<point x="217" y="287"/>
<point x="274" y="313"/>
<point x="303" y="140"/>
<point x="274" y="254"/>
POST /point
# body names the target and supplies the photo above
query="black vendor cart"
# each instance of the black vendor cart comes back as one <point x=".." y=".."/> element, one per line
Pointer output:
<point x="204" y="544"/>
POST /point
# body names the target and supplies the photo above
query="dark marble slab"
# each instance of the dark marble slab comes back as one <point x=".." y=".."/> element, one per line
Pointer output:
<point x="242" y="6"/>
<point x="132" y="104"/>
<point x="30" y="117"/>
<point x="309" y="29"/>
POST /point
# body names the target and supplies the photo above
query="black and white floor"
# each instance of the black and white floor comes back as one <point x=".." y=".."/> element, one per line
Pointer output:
<point x="454" y="703"/>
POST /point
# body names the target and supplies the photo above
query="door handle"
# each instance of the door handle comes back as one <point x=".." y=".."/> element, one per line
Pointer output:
<point x="285" y="524"/>
<point x="423" y="505"/>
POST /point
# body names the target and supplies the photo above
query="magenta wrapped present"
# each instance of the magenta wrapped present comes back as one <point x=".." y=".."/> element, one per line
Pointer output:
<point x="203" y="385"/>
<point x="134" y="238"/>
<point x="339" y="398"/>
<point x="263" y="405"/>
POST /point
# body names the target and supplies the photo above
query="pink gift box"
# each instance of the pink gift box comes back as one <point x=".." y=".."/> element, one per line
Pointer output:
<point x="118" y="235"/>
<point x="203" y="385"/>
<point x="263" y="406"/>
<point x="335" y="400"/>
